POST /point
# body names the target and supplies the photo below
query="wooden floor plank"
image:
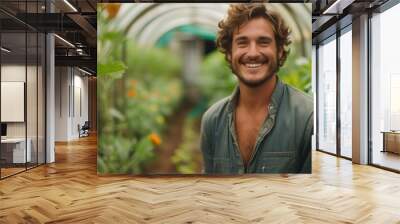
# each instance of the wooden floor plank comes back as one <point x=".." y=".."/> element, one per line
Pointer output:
<point x="70" y="191"/>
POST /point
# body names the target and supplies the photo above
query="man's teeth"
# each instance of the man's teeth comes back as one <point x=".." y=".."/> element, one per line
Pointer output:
<point x="253" y="65"/>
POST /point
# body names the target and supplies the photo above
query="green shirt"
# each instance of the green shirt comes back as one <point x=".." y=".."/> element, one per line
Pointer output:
<point x="283" y="144"/>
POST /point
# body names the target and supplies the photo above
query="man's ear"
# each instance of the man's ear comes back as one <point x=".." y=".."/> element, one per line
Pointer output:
<point x="229" y="56"/>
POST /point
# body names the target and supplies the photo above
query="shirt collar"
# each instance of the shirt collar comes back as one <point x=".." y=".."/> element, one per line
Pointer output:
<point x="275" y="98"/>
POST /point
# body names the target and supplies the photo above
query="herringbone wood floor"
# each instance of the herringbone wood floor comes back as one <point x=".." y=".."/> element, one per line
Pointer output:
<point x="70" y="191"/>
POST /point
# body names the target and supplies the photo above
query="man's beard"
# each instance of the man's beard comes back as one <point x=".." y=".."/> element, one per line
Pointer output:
<point x="274" y="67"/>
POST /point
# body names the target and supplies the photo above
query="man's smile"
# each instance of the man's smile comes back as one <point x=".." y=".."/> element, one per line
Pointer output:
<point x="253" y="65"/>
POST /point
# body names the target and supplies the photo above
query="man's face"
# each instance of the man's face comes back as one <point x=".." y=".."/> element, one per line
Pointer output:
<point x="254" y="57"/>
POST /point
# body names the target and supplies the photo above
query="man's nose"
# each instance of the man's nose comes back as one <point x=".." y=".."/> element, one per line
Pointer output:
<point x="253" y="50"/>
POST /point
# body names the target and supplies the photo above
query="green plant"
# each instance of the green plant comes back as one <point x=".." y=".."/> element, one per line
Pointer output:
<point x="297" y="73"/>
<point x="135" y="97"/>
<point x="216" y="80"/>
<point x="184" y="157"/>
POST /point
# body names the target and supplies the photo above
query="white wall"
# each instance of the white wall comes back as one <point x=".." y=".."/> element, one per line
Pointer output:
<point x="80" y="109"/>
<point x="33" y="126"/>
<point x="12" y="73"/>
<point x="71" y="93"/>
<point x="62" y="81"/>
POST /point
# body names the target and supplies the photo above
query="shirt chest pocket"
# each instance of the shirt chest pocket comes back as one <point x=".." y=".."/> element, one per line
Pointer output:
<point x="275" y="162"/>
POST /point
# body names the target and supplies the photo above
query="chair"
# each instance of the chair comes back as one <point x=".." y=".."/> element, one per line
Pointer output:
<point x="84" y="130"/>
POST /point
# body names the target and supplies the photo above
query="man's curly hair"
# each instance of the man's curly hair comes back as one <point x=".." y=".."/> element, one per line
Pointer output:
<point x="239" y="14"/>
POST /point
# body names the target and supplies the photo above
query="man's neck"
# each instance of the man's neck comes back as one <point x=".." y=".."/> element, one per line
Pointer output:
<point x="256" y="98"/>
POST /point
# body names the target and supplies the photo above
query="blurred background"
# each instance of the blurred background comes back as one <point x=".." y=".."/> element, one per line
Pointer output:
<point x="159" y="70"/>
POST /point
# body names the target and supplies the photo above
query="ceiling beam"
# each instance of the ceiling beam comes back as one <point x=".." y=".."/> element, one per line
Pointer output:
<point x="83" y="61"/>
<point x="84" y="24"/>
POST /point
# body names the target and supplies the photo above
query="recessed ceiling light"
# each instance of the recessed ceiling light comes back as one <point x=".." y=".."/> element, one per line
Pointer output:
<point x="337" y="7"/>
<point x="84" y="71"/>
<point x="64" y="40"/>
<point x="70" y="5"/>
<point x="5" y="49"/>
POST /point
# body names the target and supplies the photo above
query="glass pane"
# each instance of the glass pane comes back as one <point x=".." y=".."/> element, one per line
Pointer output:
<point x="346" y="94"/>
<point x="314" y="86"/>
<point x="31" y="97"/>
<point x="41" y="99"/>
<point x="327" y="96"/>
<point x="13" y="86"/>
<point x="386" y="89"/>
<point x="22" y="88"/>
<point x="31" y="86"/>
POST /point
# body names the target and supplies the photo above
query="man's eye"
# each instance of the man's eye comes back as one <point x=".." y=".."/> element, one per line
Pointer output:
<point x="264" y="43"/>
<point x="241" y="44"/>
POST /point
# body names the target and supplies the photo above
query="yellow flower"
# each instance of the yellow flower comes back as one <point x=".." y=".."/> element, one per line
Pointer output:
<point x="155" y="139"/>
<point x="112" y="9"/>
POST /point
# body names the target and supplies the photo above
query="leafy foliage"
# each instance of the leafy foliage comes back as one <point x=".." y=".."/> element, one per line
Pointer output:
<point x="184" y="157"/>
<point x="135" y="97"/>
<point x="217" y="80"/>
<point x="297" y="73"/>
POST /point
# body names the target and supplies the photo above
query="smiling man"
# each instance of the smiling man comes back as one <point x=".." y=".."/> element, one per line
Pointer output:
<point x="265" y="126"/>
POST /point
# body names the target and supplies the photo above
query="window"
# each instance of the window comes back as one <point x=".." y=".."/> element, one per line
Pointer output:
<point x="327" y="96"/>
<point x="346" y="75"/>
<point x="385" y="88"/>
<point x="22" y="77"/>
